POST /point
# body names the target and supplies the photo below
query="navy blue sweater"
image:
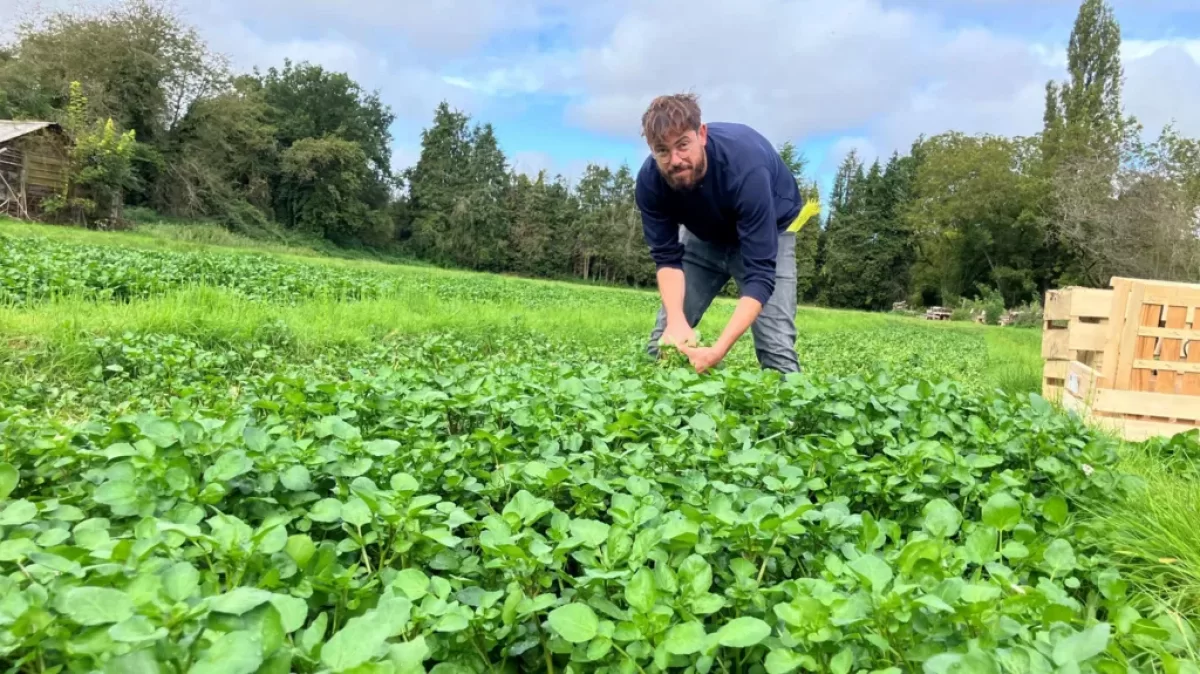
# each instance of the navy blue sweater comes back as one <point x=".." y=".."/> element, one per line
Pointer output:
<point x="748" y="196"/>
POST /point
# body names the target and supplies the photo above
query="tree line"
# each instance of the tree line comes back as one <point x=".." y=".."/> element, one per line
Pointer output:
<point x="160" y="121"/>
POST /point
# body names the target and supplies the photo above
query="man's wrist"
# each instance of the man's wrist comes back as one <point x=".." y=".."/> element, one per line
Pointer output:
<point x="744" y="315"/>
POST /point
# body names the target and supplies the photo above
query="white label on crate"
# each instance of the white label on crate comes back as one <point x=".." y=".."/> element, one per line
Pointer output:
<point x="1073" y="383"/>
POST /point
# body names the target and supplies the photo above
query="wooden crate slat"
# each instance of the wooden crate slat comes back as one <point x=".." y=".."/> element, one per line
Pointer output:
<point x="1176" y="333"/>
<point x="1081" y="382"/>
<point x="1056" y="344"/>
<point x="1185" y="297"/>
<point x="1190" y="382"/>
<point x="1127" y="343"/>
<point x="1137" y="430"/>
<point x="1090" y="302"/>
<point x="1142" y="379"/>
<point x="1171" y="346"/>
<point x="1055" y="369"/>
<point x="1147" y="404"/>
<point x="1146" y="366"/>
<point x="1058" y="305"/>
<point x="1116" y="328"/>
<point x="1086" y="336"/>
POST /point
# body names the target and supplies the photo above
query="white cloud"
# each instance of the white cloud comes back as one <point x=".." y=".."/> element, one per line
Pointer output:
<point x="436" y="27"/>
<point x="880" y="72"/>
<point x="1162" y="85"/>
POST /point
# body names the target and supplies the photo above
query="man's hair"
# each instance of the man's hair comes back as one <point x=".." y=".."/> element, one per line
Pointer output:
<point x="674" y="113"/>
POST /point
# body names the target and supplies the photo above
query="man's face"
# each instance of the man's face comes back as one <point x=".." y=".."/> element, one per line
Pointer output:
<point x="681" y="159"/>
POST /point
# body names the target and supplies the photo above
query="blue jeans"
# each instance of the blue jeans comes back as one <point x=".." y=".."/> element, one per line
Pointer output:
<point x="708" y="267"/>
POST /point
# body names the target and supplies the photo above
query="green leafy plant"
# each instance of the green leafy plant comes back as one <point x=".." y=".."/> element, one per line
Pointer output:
<point x="424" y="507"/>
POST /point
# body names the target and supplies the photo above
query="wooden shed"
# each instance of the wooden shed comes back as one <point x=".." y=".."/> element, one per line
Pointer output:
<point x="34" y="164"/>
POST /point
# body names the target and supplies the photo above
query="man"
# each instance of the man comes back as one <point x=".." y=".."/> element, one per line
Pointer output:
<point x="735" y="197"/>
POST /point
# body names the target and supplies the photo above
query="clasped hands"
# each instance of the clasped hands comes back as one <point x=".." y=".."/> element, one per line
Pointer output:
<point x="702" y="358"/>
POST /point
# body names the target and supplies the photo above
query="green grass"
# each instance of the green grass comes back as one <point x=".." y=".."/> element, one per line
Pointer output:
<point x="1155" y="534"/>
<point x="1007" y="358"/>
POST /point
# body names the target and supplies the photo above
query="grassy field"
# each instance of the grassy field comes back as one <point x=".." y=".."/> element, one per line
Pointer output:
<point x="218" y="455"/>
<point x="418" y="300"/>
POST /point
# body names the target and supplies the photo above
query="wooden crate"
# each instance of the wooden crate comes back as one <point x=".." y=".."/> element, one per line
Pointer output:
<point x="1075" y="322"/>
<point x="1144" y="380"/>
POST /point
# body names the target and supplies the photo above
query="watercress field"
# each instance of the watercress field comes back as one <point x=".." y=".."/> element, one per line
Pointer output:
<point x="231" y="461"/>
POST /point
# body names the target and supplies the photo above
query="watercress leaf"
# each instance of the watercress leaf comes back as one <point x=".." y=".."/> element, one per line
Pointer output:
<point x="355" y="512"/>
<point x="873" y="570"/>
<point x="136" y="629"/>
<point x="685" y="638"/>
<point x="358" y="642"/>
<point x="409" y="657"/>
<point x="292" y="611"/>
<point x="1082" y="646"/>
<point x="296" y="478"/>
<point x="743" y="632"/>
<point x="239" y="600"/>
<point x="842" y="662"/>
<point x="180" y="580"/>
<point x="935" y="603"/>
<point x="237" y="652"/>
<point x="17" y="513"/>
<point x="89" y="606"/>
<point x="783" y="660"/>
<point x="381" y="447"/>
<point x="412" y="582"/>
<point x="593" y="533"/>
<point x="1055" y="509"/>
<point x="941" y="519"/>
<point x="162" y="432"/>
<point x="702" y="422"/>
<point x="300" y="548"/>
<point x="640" y="591"/>
<point x="326" y="510"/>
<point x="577" y="623"/>
<point x="1059" y="557"/>
<point x="9" y="477"/>
<point x="1002" y="511"/>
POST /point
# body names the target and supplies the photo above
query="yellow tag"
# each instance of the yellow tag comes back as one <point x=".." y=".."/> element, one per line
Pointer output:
<point x="811" y="208"/>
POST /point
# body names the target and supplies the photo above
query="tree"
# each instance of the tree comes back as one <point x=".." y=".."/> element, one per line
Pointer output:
<point x="321" y="185"/>
<point x="1143" y="222"/>
<point x="1084" y="115"/>
<point x="974" y="213"/>
<point x="100" y="167"/>
<point x="219" y="160"/>
<point x="438" y="185"/>
<point x="139" y="63"/>
<point x="308" y="101"/>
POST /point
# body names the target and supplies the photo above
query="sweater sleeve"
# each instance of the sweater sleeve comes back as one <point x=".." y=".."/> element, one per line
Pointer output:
<point x="661" y="234"/>
<point x="758" y="234"/>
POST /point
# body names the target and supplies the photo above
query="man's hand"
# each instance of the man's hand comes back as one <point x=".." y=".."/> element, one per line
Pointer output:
<point x="704" y="358"/>
<point x="678" y="334"/>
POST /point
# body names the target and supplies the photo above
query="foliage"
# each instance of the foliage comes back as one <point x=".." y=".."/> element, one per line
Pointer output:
<point x="428" y="504"/>
<point x="140" y="64"/>
<point x="321" y="186"/>
<point x="1139" y="221"/>
<point x="973" y="213"/>
<point x="101" y="167"/>
<point x="868" y="250"/>
<point x="220" y="159"/>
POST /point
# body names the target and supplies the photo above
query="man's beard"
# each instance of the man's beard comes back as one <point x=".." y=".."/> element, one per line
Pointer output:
<point x="687" y="179"/>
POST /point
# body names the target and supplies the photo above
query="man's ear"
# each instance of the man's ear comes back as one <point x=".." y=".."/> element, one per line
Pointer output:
<point x="703" y="134"/>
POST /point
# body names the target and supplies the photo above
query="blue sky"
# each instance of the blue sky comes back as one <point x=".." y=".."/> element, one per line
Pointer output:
<point x="564" y="82"/>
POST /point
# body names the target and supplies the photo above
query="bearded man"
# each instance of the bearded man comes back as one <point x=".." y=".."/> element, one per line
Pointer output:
<point x="733" y="196"/>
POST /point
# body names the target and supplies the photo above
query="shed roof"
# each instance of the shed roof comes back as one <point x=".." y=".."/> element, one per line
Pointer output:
<point x="10" y="129"/>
